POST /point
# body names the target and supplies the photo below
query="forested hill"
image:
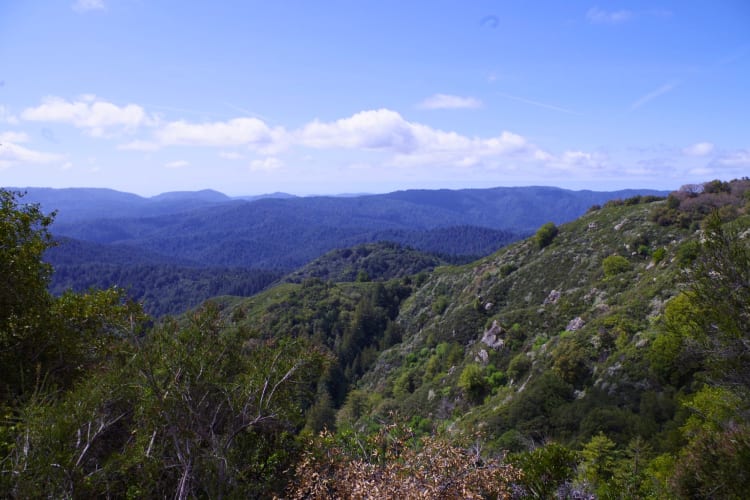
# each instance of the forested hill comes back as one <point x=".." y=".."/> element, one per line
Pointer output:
<point x="614" y="339"/>
<point x="601" y="358"/>
<point x="287" y="233"/>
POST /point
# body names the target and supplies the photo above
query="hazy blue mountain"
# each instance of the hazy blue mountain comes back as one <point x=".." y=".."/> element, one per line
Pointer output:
<point x="288" y="232"/>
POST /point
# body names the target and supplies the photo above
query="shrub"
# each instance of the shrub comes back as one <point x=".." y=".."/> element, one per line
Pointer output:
<point x="472" y="382"/>
<point x="614" y="265"/>
<point x="546" y="234"/>
<point x="659" y="254"/>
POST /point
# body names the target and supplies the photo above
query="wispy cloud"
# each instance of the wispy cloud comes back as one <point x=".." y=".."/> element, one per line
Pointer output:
<point x="230" y="155"/>
<point x="11" y="136"/>
<point x="537" y="103"/>
<point x="177" y="164"/>
<point x="139" y="145"/>
<point x="7" y="117"/>
<point x="699" y="149"/>
<point x="447" y="101"/>
<point x="596" y="15"/>
<point x="739" y="158"/>
<point x="87" y="5"/>
<point x="266" y="164"/>
<point x="11" y="154"/>
<point x="664" y="89"/>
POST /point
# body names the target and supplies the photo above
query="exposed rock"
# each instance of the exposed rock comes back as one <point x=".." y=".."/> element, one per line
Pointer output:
<point x="492" y="338"/>
<point x="482" y="357"/>
<point x="488" y="306"/>
<point x="552" y="298"/>
<point x="575" y="324"/>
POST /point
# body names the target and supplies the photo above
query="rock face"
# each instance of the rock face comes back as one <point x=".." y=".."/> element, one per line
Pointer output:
<point x="575" y="324"/>
<point x="492" y="338"/>
<point x="552" y="298"/>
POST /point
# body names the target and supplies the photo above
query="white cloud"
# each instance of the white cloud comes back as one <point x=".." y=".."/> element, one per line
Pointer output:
<point x="380" y="129"/>
<point x="699" y="149"/>
<point x="739" y="158"/>
<point x="11" y="136"/>
<point x="11" y="154"/>
<point x="446" y="101"/>
<point x="97" y="117"/>
<point x="86" y="5"/>
<point x="411" y="143"/>
<point x="664" y="89"/>
<point x="266" y="164"/>
<point x="7" y="117"/>
<point x="177" y="164"/>
<point x="230" y="155"/>
<point x="139" y="146"/>
<point x="67" y="165"/>
<point x="596" y="15"/>
<point x="236" y="132"/>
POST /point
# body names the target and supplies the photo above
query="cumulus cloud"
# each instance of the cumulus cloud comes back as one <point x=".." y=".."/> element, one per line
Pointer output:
<point x="266" y="164"/>
<point x="380" y="129"/>
<point x="95" y="116"/>
<point x="596" y="15"/>
<point x="177" y="164"/>
<point x="410" y="143"/>
<point x="251" y="132"/>
<point x="11" y="154"/>
<point x="87" y="5"/>
<point x="699" y="149"/>
<point x="446" y="101"/>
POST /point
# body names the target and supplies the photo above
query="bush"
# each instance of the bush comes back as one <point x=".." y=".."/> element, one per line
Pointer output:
<point x="472" y="382"/>
<point x="659" y="254"/>
<point x="546" y="234"/>
<point x="614" y="265"/>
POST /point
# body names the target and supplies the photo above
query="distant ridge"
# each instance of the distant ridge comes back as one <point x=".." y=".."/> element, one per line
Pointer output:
<point x="284" y="232"/>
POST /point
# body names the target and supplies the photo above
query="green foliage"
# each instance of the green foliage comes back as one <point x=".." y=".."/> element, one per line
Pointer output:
<point x="599" y="462"/>
<point x="614" y="265"/>
<point x="192" y="411"/>
<point x="659" y="254"/>
<point x="571" y="361"/>
<point x="519" y="365"/>
<point x="472" y="382"/>
<point x="545" y="234"/>
<point x="545" y="469"/>
<point x="440" y="304"/>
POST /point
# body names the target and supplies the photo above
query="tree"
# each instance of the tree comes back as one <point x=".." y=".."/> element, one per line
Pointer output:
<point x="720" y="292"/>
<point x="24" y="300"/>
<point x="196" y="410"/>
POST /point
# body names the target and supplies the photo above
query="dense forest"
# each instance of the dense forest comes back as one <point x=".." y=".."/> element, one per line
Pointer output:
<point x="605" y="357"/>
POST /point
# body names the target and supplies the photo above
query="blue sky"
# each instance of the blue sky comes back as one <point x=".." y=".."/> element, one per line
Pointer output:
<point x="332" y="97"/>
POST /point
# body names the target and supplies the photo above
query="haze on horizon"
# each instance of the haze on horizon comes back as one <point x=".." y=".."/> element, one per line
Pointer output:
<point x="340" y="97"/>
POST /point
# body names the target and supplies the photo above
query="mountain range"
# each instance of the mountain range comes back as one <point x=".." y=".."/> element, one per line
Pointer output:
<point x="103" y="232"/>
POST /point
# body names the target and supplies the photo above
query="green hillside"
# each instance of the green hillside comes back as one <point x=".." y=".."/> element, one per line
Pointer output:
<point x="604" y="358"/>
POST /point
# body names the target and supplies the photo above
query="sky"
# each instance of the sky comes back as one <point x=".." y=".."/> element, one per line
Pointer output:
<point x="331" y="97"/>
